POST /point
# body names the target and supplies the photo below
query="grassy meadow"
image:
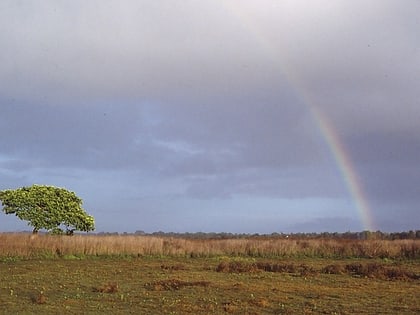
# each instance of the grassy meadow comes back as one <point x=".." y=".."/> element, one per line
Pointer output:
<point x="90" y="274"/>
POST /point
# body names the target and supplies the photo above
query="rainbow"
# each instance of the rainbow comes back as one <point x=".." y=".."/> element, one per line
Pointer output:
<point x="327" y="130"/>
<point x="346" y="167"/>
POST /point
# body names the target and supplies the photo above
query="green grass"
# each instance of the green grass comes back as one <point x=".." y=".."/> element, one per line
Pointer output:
<point x="217" y="285"/>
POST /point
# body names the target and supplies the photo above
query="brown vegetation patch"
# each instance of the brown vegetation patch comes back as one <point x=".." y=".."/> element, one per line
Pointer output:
<point x="174" y="284"/>
<point x="264" y="303"/>
<point x="236" y="267"/>
<point x="39" y="299"/>
<point x="371" y="270"/>
<point x="367" y="270"/>
<point x="380" y="271"/>
<point x="399" y="274"/>
<point x="275" y="267"/>
<point x="334" y="269"/>
<point x="239" y="267"/>
<point x="305" y="270"/>
<point x="107" y="288"/>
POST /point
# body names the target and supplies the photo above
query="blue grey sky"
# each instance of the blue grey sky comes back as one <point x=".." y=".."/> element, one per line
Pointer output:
<point x="192" y="116"/>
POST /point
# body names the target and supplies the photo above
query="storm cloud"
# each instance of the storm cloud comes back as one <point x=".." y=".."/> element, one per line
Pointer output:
<point x="198" y="116"/>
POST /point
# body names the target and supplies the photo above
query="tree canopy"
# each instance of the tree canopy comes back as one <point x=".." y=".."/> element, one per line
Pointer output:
<point x="47" y="207"/>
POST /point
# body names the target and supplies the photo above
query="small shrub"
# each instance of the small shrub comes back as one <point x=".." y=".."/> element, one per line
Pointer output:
<point x="379" y="271"/>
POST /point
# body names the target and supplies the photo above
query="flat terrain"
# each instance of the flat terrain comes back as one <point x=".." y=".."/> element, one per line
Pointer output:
<point x="208" y="285"/>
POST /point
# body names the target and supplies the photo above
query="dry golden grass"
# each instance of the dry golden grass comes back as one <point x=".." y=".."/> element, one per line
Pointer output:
<point x="27" y="246"/>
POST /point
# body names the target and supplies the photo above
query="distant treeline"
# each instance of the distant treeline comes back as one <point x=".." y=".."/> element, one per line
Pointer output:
<point x="364" y="235"/>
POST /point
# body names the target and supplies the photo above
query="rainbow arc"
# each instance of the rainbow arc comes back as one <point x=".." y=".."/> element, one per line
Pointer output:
<point x="335" y="146"/>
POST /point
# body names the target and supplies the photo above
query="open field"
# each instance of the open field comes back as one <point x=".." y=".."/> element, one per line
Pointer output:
<point x="52" y="275"/>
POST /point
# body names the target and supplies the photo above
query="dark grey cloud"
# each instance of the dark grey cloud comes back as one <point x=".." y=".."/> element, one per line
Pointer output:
<point x="199" y="109"/>
<point x="73" y="135"/>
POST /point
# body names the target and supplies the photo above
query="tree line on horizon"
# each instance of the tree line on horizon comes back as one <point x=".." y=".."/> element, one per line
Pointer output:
<point x="364" y="235"/>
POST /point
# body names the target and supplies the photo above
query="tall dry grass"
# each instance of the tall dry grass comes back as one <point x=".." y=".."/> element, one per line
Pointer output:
<point x="28" y="246"/>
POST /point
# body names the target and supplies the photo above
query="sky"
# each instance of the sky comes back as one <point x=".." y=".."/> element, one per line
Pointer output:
<point x="216" y="116"/>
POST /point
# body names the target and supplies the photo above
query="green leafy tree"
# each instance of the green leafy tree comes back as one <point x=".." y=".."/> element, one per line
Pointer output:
<point x="47" y="207"/>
